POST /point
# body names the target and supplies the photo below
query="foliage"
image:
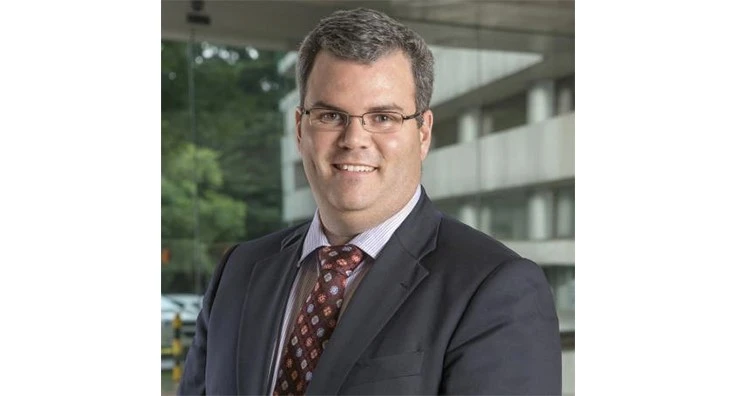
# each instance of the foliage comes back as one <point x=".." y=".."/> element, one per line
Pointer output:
<point x="220" y="216"/>
<point x="233" y="159"/>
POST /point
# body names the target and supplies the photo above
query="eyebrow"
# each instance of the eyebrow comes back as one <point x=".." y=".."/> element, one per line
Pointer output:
<point x="386" y="107"/>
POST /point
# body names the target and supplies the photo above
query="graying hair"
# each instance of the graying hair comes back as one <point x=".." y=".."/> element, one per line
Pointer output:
<point x="365" y="35"/>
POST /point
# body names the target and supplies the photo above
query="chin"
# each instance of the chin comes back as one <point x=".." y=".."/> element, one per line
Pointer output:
<point x="349" y="202"/>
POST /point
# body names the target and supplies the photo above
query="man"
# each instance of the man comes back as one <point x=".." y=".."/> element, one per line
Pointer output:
<point x="380" y="293"/>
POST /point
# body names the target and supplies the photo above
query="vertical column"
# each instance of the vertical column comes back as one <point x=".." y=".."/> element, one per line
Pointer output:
<point x="565" y="227"/>
<point x="569" y="300"/>
<point x="468" y="131"/>
<point x="565" y="288"/>
<point x="485" y="218"/>
<point x="468" y="125"/>
<point x="177" y="350"/>
<point x="287" y="170"/>
<point x="541" y="215"/>
<point x="289" y="157"/>
<point x="468" y="214"/>
<point x="519" y="220"/>
<point x="564" y="99"/>
<point x="486" y="123"/>
<point x="540" y="101"/>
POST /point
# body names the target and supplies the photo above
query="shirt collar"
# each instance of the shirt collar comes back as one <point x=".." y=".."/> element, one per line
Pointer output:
<point x="370" y="241"/>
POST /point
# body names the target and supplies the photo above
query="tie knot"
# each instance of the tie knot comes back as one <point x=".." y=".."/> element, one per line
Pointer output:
<point x="341" y="258"/>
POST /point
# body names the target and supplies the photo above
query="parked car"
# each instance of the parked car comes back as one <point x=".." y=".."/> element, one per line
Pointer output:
<point x="169" y="309"/>
<point x="188" y="301"/>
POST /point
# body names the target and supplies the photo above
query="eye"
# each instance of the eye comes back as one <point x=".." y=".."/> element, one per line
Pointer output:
<point x="383" y="118"/>
<point x="330" y="117"/>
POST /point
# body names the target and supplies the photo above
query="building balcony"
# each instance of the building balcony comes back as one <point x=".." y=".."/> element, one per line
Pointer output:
<point x="546" y="252"/>
<point x="525" y="155"/>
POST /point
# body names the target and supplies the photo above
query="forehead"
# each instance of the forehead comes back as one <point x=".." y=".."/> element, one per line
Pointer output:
<point x="358" y="86"/>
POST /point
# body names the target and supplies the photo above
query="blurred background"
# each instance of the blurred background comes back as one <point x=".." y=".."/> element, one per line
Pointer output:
<point x="502" y="157"/>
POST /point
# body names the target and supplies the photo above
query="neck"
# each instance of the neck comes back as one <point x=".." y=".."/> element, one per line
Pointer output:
<point x="341" y="227"/>
<point x="337" y="239"/>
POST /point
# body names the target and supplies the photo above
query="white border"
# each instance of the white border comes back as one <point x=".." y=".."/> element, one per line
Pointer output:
<point x="655" y="198"/>
<point x="80" y="163"/>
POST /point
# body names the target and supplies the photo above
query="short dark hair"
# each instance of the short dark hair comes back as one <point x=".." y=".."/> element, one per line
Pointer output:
<point x="366" y="35"/>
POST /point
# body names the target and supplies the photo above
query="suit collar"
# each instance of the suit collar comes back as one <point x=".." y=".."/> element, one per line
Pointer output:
<point x="395" y="274"/>
<point x="265" y="302"/>
<point x="418" y="233"/>
<point x="397" y="271"/>
<point x="295" y="236"/>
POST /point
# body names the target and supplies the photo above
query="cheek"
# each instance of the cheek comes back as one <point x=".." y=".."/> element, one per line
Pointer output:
<point x="397" y="144"/>
<point x="316" y="148"/>
<point x="404" y="149"/>
<point x="320" y="145"/>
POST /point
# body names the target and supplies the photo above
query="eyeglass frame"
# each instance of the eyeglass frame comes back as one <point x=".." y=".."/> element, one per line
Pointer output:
<point x="420" y="121"/>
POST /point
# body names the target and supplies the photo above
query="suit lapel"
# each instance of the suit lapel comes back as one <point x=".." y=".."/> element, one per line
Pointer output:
<point x="263" y="310"/>
<point x="394" y="275"/>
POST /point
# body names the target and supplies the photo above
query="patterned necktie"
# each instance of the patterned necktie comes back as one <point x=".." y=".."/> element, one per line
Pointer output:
<point x="316" y="319"/>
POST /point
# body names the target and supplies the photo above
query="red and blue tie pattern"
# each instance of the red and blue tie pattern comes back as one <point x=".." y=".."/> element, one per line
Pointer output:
<point x="316" y="319"/>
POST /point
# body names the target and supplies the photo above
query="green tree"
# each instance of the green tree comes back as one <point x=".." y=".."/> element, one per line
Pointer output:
<point x="237" y="146"/>
<point x="219" y="214"/>
<point x="192" y="172"/>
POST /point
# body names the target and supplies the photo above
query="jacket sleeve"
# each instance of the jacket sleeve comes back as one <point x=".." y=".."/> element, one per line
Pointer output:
<point x="508" y="340"/>
<point x="193" y="378"/>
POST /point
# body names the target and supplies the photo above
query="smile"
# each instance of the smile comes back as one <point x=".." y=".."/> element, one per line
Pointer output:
<point x="354" y="168"/>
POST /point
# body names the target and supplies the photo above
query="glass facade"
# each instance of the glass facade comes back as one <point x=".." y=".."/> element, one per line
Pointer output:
<point x="221" y="159"/>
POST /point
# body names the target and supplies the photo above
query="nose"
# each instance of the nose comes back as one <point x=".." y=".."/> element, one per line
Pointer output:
<point x="354" y="136"/>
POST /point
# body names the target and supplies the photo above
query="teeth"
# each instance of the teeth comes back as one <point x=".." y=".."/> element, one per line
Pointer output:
<point x="356" y="168"/>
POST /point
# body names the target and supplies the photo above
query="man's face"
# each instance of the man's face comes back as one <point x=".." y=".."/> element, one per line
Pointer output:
<point x="385" y="168"/>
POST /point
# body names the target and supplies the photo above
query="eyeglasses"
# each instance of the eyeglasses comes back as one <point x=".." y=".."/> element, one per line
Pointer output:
<point x="373" y="121"/>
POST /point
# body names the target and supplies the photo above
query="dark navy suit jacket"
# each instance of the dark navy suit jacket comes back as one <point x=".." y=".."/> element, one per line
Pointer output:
<point x="444" y="309"/>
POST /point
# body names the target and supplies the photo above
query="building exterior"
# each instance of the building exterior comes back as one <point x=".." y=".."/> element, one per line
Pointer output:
<point x="502" y="160"/>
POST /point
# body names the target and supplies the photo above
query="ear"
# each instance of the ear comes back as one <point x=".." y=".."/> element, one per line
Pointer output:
<point x="425" y="133"/>
<point x="298" y="122"/>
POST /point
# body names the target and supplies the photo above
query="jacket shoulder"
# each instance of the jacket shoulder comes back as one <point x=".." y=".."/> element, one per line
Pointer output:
<point x="269" y="244"/>
<point x="461" y="239"/>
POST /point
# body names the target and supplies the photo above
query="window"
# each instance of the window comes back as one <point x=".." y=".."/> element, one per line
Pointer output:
<point x="565" y="94"/>
<point x="565" y="212"/>
<point x="562" y="281"/>
<point x="506" y="114"/>
<point x="508" y="216"/>
<point x="444" y="133"/>
<point x="220" y="175"/>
